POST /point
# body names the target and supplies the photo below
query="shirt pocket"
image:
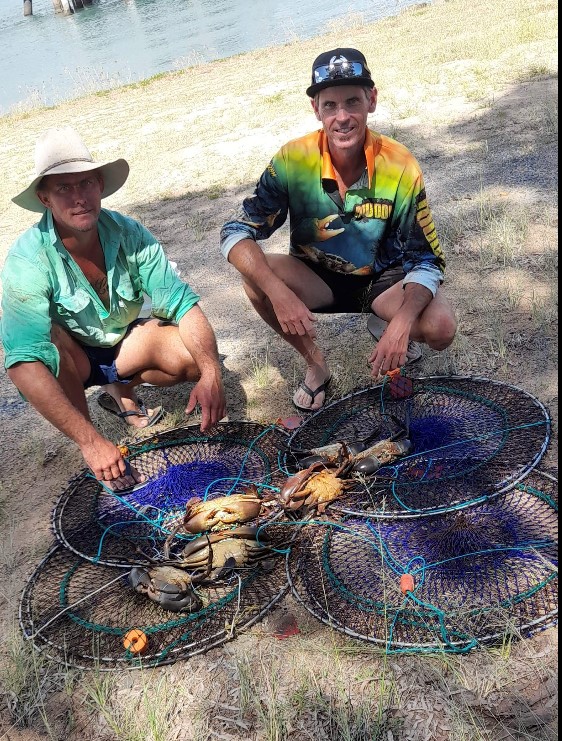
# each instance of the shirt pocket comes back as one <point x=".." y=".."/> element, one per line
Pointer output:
<point x="73" y="303"/>
<point x="76" y="312"/>
<point x="127" y="290"/>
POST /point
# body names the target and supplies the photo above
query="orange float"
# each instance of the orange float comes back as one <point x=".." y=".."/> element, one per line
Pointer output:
<point x="406" y="583"/>
<point x="135" y="641"/>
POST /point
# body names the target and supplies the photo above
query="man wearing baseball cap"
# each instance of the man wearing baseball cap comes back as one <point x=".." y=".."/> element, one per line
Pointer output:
<point x="73" y="288"/>
<point x="362" y="235"/>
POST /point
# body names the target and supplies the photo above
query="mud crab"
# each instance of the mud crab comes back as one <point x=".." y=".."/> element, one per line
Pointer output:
<point x="366" y="461"/>
<point x="213" y="553"/>
<point x="168" y="586"/>
<point x="203" y="561"/>
<point x="213" y="514"/>
<point x="314" y="487"/>
<point x="361" y="457"/>
<point x="322" y="478"/>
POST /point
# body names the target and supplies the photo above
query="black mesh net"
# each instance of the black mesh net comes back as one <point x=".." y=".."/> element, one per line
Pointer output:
<point x="178" y="464"/>
<point x="471" y="438"/>
<point x="462" y="514"/>
<point x="79" y="613"/>
<point x="478" y="575"/>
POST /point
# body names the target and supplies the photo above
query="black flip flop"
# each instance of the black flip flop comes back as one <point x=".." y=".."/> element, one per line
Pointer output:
<point x="313" y="394"/>
<point x="108" y="403"/>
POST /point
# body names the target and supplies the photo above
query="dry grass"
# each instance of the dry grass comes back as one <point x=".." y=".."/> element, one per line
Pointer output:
<point x="472" y="92"/>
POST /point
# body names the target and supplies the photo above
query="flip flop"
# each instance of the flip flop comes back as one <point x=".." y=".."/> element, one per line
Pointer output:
<point x="107" y="402"/>
<point x="313" y="394"/>
<point x="126" y="489"/>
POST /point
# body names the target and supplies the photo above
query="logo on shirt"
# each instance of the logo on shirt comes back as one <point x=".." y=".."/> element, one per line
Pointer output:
<point x="373" y="208"/>
<point x="425" y="220"/>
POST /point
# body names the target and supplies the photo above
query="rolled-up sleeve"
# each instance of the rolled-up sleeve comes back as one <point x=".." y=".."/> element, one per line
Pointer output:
<point x="425" y="275"/>
<point x="26" y="321"/>
<point x="264" y="211"/>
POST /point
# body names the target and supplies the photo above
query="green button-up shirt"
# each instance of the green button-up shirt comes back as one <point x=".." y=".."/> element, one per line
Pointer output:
<point x="42" y="284"/>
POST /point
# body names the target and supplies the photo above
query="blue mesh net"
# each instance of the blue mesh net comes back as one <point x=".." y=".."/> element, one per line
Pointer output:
<point x="181" y="482"/>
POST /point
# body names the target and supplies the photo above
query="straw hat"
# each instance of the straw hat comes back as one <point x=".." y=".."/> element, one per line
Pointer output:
<point x="62" y="151"/>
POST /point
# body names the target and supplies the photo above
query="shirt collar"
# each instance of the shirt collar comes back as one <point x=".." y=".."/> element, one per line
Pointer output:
<point x="47" y="224"/>
<point x="370" y="147"/>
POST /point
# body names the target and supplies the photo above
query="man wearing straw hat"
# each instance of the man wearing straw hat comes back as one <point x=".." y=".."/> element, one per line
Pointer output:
<point x="73" y="289"/>
<point x="362" y="237"/>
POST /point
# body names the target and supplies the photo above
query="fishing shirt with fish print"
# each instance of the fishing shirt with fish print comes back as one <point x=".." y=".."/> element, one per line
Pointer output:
<point x="384" y="220"/>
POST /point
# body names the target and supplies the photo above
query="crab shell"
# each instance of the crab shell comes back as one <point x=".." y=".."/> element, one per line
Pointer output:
<point x="230" y="548"/>
<point x="316" y="486"/>
<point x="228" y="510"/>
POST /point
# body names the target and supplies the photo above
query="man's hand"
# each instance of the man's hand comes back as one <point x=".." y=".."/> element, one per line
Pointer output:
<point x="390" y="351"/>
<point x="199" y="339"/>
<point x="103" y="458"/>
<point x="292" y="314"/>
<point x="208" y="393"/>
<point x="107" y="464"/>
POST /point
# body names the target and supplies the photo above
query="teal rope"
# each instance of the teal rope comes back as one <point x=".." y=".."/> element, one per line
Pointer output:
<point x="539" y="494"/>
<point x="394" y="565"/>
<point x="254" y="441"/>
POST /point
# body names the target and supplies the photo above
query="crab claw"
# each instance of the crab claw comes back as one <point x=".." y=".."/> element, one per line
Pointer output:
<point x="226" y="568"/>
<point x="381" y="454"/>
<point x="309" y="460"/>
<point x="172" y="592"/>
<point x="322" y="231"/>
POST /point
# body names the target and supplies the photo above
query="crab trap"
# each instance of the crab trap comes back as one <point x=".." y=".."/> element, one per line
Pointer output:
<point x="82" y="608"/>
<point x="448" y="582"/>
<point x="178" y="464"/>
<point x="87" y="615"/>
<point x="450" y="543"/>
<point x="463" y="441"/>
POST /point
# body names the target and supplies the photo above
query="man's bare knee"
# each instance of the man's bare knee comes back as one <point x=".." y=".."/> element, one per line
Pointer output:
<point x="441" y="332"/>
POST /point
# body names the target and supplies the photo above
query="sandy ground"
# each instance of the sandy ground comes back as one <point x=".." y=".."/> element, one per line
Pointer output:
<point x="477" y="160"/>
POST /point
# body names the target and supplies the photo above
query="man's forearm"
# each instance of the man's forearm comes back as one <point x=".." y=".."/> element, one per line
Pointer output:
<point x="416" y="299"/>
<point x="249" y="259"/>
<point x="199" y="339"/>
<point x="43" y="391"/>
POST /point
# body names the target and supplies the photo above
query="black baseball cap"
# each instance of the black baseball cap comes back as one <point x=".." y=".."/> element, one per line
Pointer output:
<point x="339" y="67"/>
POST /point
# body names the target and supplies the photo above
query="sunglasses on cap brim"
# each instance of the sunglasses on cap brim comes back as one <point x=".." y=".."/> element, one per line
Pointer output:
<point x="339" y="71"/>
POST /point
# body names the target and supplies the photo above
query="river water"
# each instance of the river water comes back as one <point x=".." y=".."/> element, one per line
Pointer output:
<point x="47" y="57"/>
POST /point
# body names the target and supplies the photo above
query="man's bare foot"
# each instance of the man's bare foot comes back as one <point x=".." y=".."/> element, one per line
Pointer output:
<point x="127" y="405"/>
<point x="311" y="394"/>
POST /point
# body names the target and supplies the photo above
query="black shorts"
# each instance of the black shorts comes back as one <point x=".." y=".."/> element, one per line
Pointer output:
<point x="102" y="366"/>
<point x="354" y="294"/>
<point x="102" y="362"/>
